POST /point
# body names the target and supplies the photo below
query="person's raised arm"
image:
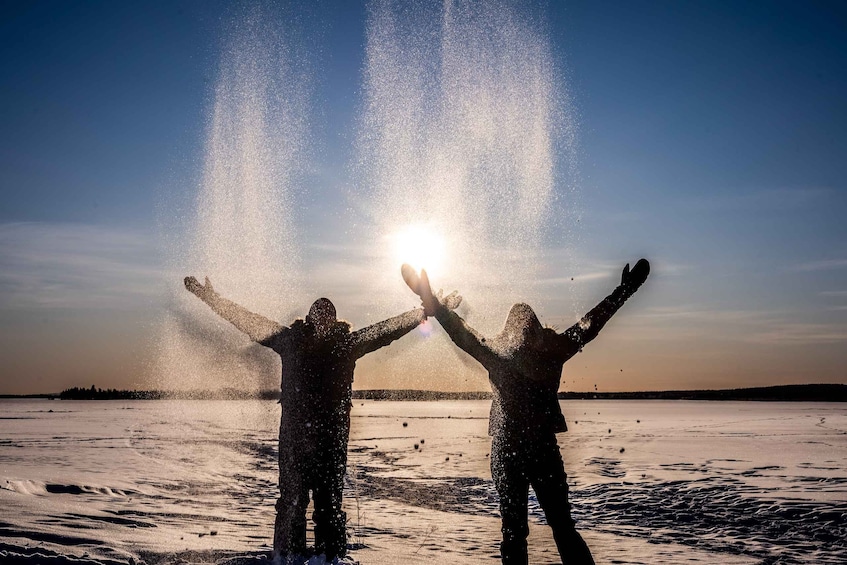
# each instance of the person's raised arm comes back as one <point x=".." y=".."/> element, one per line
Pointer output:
<point x="590" y="325"/>
<point x="382" y="333"/>
<point x="258" y="328"/>
<point x="464" y="336"/>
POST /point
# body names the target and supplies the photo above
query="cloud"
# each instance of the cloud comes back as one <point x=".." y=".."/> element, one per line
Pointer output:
<point x="581" y="277"/>
<point x="761" y="327"/>
<point x="710" y="316"/>
<point x="75" y="266"/>
<point x="800" y="333"/>
<point x="823" y="265"/>
<point x="567" y="262"/>
<point x="836" y="293"/>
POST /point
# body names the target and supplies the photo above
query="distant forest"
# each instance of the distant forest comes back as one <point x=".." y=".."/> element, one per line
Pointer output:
<point x="804" y="393"/>
<point x="94" y="393"/>
<point x="800" y="393"/>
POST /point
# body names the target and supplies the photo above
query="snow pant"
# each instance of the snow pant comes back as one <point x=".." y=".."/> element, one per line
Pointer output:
<point x="290" y="524"/>
<point x="517" y="463"/>
<point x="319" y="468"/>
<point x="330" y="520"/>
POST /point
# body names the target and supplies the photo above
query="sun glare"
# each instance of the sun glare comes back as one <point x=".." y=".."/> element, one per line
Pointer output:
<point x="420" y="246"/>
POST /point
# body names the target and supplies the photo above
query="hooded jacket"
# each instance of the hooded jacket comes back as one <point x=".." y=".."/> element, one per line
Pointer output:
<point x="524" y="364"/>
<point x="317" y="369"/>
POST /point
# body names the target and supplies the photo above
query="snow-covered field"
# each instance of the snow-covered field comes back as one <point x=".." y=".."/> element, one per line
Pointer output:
<point x="651" y="481"/>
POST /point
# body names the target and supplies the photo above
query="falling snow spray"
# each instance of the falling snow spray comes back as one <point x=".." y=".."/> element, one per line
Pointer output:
<point x="462" y="124"/>
<point x="463" y="115"/>
<point x="241" y="233"/>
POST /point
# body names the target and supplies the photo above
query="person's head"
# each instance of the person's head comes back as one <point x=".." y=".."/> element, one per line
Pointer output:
<point x="322" y="315"/>
<point x="522" y="325"/>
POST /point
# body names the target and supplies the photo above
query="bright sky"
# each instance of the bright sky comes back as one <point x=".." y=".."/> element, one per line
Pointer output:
<point x="711" y="139"/>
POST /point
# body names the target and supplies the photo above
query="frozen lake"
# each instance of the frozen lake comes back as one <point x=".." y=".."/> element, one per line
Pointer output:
<point x="651" y="481"/>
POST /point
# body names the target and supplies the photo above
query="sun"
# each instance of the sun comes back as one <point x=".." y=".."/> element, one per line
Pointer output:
<point x="421" y="246"/>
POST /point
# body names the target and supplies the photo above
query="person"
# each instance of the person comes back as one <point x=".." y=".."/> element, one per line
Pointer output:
<point x="319" y="355"/>
<point x="524" y="364"/>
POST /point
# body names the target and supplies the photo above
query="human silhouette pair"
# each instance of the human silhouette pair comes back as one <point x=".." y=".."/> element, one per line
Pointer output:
<point x="524" y="364"/>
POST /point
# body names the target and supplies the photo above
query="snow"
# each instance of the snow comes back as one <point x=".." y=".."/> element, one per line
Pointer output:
<point x="195" y="482"/>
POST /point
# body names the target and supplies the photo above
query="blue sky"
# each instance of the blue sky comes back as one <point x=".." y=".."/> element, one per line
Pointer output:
<point x="711" y="139"/>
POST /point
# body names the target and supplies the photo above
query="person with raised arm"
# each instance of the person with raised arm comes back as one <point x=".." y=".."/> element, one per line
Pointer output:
<point x="319" y="355"/>
<point x="524" y="364"/>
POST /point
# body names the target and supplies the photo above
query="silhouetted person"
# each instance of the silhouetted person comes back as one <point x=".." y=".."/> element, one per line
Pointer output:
<point x="318" y="355"/>
<point x="524" y="364"/>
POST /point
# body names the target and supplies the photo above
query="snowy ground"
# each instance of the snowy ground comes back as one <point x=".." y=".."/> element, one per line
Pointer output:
<point x="195" y="481"/>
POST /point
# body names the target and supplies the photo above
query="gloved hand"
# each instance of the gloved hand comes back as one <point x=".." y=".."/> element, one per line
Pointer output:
<point x="420" y="286"/>
<point x="631" y="280"/>
<point x="201" y="291"/>
<point x="451" y="301"/>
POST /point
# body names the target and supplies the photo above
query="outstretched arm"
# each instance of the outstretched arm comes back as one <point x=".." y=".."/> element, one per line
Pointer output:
<point x="442" y="308"/>
<point x="590" y="325"/>
<point x="382" y="333"/>
<point x="464" y="336"/>
<point x="257" y="327"/>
